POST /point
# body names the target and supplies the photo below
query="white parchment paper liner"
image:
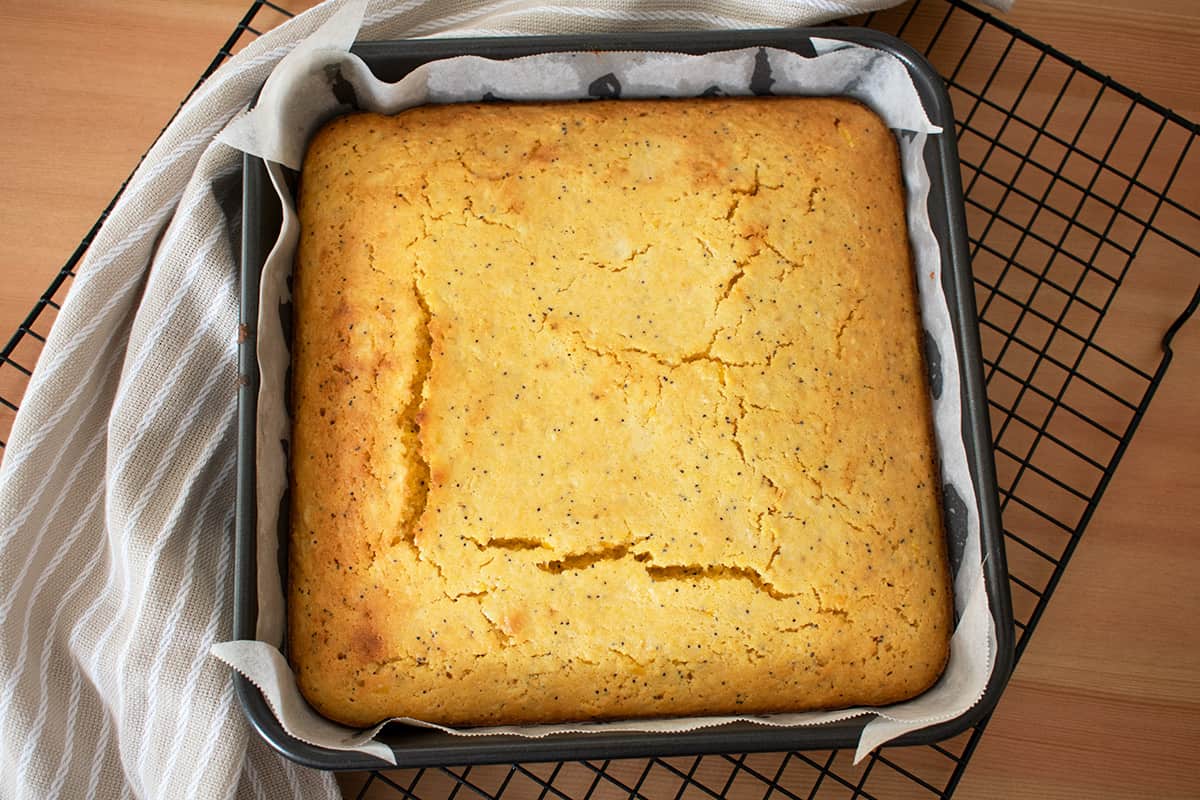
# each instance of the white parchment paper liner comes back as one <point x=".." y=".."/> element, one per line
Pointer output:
<point x="314" y="83"/>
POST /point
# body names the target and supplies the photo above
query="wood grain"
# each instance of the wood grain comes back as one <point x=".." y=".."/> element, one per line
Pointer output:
<point x="1105" y="701"/>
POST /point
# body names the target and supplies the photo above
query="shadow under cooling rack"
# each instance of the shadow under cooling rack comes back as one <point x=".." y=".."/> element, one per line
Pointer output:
<point x="1074" y="205"/>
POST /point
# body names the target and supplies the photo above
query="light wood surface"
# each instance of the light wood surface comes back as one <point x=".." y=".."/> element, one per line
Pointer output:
<point x="1106" y="700"/>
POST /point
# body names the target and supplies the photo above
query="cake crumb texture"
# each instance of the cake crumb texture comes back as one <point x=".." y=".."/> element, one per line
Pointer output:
<point x="610" y="409"/>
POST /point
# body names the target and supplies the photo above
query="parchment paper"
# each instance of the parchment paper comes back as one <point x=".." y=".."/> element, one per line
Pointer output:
<point x="320" y="80"/>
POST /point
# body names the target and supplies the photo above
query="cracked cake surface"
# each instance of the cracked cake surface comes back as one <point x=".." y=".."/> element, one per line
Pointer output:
<point x="610" y="409"/>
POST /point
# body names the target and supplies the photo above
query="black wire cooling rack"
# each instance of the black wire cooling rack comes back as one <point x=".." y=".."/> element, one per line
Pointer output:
<point x="1073" y="191"/>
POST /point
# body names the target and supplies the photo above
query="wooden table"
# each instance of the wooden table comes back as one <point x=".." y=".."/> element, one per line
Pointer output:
<point x="1106" y="700"/>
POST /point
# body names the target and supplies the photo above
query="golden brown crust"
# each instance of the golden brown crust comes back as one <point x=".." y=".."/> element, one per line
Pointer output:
<point x="610" y="409"/>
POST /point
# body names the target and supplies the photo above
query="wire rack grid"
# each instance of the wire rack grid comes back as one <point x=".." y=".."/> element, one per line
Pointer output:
<point x="1064" y="224"/>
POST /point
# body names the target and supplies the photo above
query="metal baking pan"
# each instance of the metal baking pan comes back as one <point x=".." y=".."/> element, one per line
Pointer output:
<point x="391" y="61"/>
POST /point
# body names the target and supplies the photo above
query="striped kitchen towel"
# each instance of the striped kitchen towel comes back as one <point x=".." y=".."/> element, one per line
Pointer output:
<point x="116" y="489"/>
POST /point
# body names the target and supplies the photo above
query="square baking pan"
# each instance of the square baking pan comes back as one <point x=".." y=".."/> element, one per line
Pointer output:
<point x="391" y="61"/>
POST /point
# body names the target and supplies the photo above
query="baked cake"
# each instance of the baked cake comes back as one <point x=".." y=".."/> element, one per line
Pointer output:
<point x="610" y="409"/>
